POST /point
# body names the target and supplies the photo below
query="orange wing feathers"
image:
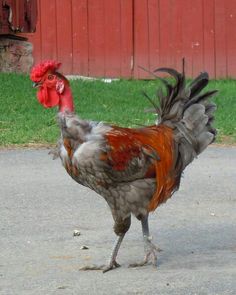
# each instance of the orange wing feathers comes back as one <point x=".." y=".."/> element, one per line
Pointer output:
<point x="125" y="144"/>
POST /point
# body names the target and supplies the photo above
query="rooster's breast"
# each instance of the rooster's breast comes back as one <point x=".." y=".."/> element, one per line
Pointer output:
<point x="86" y="166"/>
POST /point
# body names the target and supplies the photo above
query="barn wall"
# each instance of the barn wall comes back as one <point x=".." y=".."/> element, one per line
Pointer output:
<point x="113" y="38"/>
<point x="17" y="16"/>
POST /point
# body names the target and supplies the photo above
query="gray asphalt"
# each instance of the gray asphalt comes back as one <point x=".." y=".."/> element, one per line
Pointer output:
<point x="41" y="207"/>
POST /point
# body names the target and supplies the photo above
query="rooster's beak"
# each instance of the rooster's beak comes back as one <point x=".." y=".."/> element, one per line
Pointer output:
<point x="36" y="84"/>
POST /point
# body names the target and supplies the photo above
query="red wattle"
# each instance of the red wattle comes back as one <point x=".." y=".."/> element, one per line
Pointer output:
<point x="48" y="97"/>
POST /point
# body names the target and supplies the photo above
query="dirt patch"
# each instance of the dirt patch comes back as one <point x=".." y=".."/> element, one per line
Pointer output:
<point x="28" y="146"/>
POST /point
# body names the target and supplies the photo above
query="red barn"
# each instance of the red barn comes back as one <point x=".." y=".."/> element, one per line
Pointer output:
<point x="107" y="38"/>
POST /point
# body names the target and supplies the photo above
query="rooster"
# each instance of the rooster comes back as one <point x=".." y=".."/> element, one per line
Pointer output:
<point x="134" y="170"/>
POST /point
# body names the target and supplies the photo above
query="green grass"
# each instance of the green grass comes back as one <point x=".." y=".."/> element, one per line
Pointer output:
<point x="24" y="121"/>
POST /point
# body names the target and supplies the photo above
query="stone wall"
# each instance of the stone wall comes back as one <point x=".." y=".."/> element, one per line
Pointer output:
<point x="15" y="55"/>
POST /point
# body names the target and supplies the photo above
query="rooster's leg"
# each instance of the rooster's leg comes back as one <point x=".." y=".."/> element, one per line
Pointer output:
<point x="120" y="228"/>
<point x="149" y="248"/>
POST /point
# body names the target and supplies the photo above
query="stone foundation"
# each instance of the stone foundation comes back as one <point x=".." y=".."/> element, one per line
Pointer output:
<point x="15" y="55"/>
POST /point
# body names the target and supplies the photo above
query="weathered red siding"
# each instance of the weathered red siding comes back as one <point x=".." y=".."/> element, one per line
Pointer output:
<point x="17" y="16"/>
<point x="113" y="38"/>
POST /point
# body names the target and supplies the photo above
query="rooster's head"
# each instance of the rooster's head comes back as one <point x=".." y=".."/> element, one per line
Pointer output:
<point x="53" y="87"/>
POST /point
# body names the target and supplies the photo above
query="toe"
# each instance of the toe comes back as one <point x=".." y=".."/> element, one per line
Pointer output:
<point x="138" y="264"/>
<point x="92" y="267"/>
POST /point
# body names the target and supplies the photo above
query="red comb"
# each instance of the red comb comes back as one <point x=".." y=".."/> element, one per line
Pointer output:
<point x="40" y="70"/>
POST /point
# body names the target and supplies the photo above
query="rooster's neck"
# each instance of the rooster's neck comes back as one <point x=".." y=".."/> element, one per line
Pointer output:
<point x="66" y="101"/>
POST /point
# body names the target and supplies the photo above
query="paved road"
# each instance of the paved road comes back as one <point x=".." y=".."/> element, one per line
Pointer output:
<point x="41" y="206"/>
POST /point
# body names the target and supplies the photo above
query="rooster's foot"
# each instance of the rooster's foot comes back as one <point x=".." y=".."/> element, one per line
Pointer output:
<point x="112" y="261"/>
<point x="112" y="265"/>
<point x="151" y="251"/>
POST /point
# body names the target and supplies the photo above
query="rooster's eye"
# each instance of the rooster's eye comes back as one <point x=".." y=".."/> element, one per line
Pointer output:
<point x="50" y="77"/>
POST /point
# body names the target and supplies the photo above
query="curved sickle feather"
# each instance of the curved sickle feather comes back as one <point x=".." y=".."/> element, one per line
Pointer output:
<point x="172" y="72"/>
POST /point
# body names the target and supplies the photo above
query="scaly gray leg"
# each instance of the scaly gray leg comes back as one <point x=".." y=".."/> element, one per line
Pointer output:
<point x="149" y="248"/>
<point x="112" y="261"/>
<point x="120" y="228"/>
